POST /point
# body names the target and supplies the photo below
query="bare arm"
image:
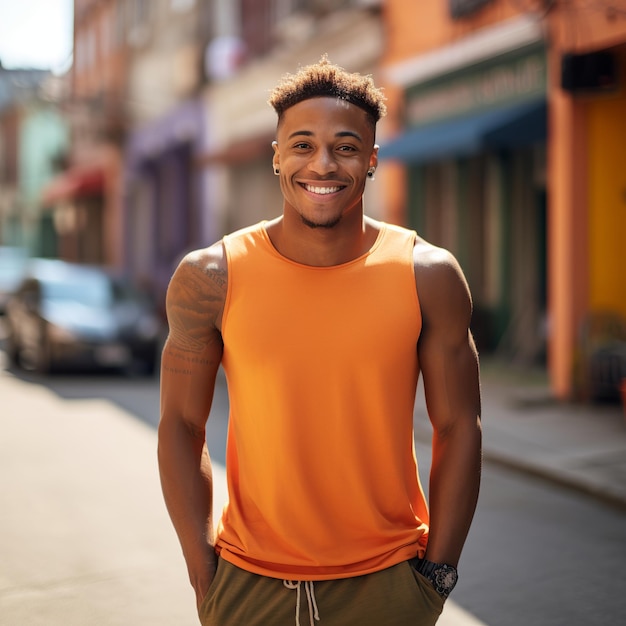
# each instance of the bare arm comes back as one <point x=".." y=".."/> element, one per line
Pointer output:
<point x="449" y="364"/>
<point x="191" y="358"/>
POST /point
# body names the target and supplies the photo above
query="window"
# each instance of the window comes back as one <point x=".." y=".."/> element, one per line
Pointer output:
<point x="182" y="5"/>
<point x="256" y="25"/>
<point x="259" y="19"/>
<point x="90" y="48"/>
<point x="461" y="8"/>
<point x="138" y="18"/>
<point x="106" y="34"/>
<point x="120" y="23"/>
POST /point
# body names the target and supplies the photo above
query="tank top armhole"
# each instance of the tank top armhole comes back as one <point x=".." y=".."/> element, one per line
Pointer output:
<point x="418" y="304"/>
<point x="229" y="281"/>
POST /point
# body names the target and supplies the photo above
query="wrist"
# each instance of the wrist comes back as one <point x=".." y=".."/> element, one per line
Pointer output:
<point x="442" y="576"/>
<point x="201" y="566"/>
<point x="201" y="578"/>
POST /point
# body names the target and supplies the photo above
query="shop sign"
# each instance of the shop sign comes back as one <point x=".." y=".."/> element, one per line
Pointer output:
<point x="480" y="88"/>
<point x="461" y="8"/>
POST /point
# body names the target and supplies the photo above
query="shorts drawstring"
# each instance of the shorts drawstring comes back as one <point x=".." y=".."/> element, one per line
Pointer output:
<point x="310" y="598"/>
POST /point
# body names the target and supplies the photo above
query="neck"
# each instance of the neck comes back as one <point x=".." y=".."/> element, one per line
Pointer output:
<point x="322" y="247"/>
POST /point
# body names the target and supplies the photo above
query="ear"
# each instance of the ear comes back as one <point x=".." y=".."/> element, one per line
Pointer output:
<point x="276" y="159"/>
<point x="374" y="157"/>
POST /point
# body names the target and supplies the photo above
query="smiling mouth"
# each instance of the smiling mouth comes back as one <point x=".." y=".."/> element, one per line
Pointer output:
<point x="322" y="191"/>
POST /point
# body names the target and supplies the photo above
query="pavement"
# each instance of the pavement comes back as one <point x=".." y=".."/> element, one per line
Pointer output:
<point x="85" y="538"/>
<point x="582" y="446"/>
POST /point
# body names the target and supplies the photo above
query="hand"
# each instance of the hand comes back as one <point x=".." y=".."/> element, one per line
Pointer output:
<point x="202" y="583"/>
<point x="202" y="588"/>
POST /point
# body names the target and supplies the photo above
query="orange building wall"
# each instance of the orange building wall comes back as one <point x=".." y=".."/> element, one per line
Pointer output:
<point x="417" y="27"/>
<point x="607" y="199"/>
<point x="414" y="28"/>
<point x="584" y="26"/>
<point x="578" y="178"/>
<point x="567" y="231"/>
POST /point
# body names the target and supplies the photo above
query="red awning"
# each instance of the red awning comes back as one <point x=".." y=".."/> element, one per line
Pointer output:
<point x="73" y="183"/>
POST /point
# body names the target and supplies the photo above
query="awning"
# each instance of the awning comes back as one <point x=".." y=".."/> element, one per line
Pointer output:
<point x="73" y="183"/>
<point x="507" y="127"/>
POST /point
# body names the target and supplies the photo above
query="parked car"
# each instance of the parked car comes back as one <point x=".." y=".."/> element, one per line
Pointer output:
<point x="13" y="260"/>
<point x="70" y="315"/>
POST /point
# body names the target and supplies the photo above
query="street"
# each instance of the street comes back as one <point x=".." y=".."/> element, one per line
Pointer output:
<point x="537" y="553"/>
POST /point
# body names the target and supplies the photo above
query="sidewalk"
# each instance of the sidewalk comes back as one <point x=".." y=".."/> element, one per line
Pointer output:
<point x="85" y="538"/>
<point x="577" y="445"/>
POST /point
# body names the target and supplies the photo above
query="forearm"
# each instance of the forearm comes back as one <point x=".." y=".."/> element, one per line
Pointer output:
<point x="453" y="490"/>
<point x="186" y="480"/>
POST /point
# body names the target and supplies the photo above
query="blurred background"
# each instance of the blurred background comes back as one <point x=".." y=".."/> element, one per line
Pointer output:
<point x="148" y="134"/>
<point x="132" y="131"/>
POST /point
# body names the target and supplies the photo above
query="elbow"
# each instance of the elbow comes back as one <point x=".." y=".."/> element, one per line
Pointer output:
<point x="465" y="427"/>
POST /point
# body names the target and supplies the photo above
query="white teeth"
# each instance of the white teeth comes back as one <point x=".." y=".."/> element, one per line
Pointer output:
<point x="321" y="190"/>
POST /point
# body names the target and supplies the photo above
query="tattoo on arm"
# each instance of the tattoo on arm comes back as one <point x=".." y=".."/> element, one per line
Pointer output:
<point x="195" y="302"/>
<point x="183" y="361"/>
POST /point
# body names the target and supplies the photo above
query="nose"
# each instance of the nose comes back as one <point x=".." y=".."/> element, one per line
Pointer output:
<point x="323" y="162"/>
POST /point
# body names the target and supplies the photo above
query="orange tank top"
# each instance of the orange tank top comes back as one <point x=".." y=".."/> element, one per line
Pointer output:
<point x="321" y="365"/>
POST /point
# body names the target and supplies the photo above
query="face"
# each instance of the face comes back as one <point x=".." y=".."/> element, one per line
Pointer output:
<point x="323" y="150"/>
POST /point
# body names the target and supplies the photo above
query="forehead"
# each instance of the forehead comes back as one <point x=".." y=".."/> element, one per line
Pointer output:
<point x="325" y="113"/>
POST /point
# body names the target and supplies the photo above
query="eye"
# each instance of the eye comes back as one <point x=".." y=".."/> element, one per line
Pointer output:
<point x="301" y="145"/>
<point x="346" y="149"/>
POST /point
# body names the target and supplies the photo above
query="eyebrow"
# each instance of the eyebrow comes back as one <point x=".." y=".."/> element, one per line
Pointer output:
<point x="343" y="133"/>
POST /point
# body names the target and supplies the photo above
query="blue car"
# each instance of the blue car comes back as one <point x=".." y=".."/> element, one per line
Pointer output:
<point x="65" y="315"/>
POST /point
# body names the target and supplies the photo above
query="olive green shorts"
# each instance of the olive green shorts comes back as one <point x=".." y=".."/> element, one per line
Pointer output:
<point x="397" y="596"/>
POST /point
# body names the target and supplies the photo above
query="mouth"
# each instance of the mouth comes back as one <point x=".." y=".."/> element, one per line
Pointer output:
<point x="321" y="190"/>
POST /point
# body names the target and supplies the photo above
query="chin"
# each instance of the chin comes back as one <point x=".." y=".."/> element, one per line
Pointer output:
<point x="331" y="223"/>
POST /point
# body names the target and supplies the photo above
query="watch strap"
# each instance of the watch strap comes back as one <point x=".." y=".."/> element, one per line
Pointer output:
<point x="424" y="567"/>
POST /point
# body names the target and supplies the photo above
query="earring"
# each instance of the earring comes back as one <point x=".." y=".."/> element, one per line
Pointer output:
<point x="276" y="171"/>
<point x="371" y="172"/>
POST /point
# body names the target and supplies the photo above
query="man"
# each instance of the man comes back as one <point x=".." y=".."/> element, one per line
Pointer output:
<point x="322" y="319"/>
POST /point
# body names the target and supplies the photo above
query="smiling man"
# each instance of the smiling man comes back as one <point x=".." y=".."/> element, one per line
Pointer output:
<point x="323" y="320"/>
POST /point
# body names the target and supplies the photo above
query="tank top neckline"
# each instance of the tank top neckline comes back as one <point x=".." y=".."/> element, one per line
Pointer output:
<point x="275" y="253"/>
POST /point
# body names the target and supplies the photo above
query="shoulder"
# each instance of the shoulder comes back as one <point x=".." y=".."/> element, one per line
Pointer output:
<point x="430" y="259"/>
<point x="206" y="269"/>
<point x="441" y="284"/>
<point x="197" y="290"/>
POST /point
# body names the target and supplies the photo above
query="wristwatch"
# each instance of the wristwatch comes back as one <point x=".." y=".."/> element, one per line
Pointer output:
<point x="442" y="577"/>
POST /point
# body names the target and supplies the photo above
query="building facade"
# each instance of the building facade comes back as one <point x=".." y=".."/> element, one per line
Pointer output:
<point x="33" y="142"/>
<point x="83" y="202"/>
<point x="163" y="191"/>
<point x="587" y="185"/>
<point x="130" y="198"/>
<point x="482" y="160"/>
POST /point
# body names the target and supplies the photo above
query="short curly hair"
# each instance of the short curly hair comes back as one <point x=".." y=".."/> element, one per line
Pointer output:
<point x="325" y="79"/>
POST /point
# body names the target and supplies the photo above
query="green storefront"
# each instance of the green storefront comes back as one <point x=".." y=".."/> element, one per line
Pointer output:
<point x="474" y="147"/>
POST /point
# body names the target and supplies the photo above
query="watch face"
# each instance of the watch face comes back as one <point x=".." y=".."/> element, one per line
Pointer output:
<point x="445" y="579"/>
